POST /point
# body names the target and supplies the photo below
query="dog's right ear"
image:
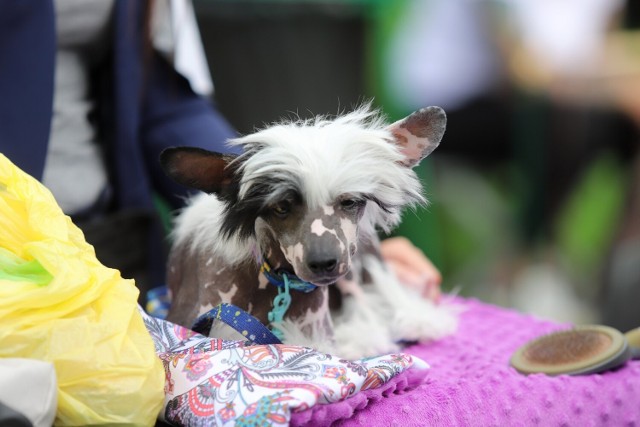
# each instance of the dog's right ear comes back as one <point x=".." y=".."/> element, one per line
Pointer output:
<point x="197" y="168"/>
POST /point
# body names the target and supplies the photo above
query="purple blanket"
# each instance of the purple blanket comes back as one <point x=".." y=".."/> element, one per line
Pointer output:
<point x="471" y="384"/>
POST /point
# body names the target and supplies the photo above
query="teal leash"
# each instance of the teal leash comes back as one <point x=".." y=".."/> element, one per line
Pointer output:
<point x="281" y="304"/>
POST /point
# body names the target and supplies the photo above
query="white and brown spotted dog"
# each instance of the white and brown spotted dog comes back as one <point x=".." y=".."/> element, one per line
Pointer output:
<point x="307" y="197"/>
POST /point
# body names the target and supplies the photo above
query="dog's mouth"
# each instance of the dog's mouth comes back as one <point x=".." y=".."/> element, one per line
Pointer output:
<point x="309" y="273"/>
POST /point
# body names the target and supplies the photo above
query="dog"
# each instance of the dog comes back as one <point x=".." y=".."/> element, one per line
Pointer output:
<point x="306" y="199"/>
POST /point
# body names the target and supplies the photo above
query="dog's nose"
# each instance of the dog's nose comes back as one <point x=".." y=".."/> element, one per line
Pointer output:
<point x="323" y="266"/>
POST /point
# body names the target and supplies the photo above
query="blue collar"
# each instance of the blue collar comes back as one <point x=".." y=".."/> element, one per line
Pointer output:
<point x="275" y="277"/>
<point x="240" y="320"/>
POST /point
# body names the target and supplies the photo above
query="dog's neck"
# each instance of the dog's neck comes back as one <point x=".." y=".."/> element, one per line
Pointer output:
<point x="274" y="267"/>
<point x="309" y="307"/>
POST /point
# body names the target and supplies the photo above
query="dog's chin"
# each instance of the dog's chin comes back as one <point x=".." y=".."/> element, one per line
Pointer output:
<point x="327" y="282"/>
<point x="324" y="280"/>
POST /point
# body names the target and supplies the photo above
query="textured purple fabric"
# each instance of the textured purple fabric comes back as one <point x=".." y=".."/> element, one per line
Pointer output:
<point x="471" y="384"/>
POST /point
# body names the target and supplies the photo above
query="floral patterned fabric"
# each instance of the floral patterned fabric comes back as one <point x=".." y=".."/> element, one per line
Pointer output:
<point x="214" y="382"/>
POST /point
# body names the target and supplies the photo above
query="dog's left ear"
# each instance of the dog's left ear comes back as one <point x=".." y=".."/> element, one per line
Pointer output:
<point x="197" y="168"/>
<point x="419" y="134"/>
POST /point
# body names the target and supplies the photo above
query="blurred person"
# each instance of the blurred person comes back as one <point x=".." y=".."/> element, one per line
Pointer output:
<point x="91" y="92"/>
<point x="88" y="103"/>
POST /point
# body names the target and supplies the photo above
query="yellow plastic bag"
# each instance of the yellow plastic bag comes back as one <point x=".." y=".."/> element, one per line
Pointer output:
<point x="59" y="304"/>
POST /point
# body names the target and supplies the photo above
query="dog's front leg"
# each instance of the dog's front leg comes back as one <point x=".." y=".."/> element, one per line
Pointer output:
<point x="409" y="317"/>
<point x="359" y="329"/>
<point x="308" y="321"/>
<point x="183" y="280"/>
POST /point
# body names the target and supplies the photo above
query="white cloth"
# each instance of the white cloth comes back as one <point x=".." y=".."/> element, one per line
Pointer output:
<point x="175" y="34"/>
<point x="29" y="387"/>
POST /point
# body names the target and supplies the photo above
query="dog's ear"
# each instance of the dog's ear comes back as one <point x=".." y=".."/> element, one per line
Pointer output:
<point x="197" y="168"/>
<point x="419" y="134"/>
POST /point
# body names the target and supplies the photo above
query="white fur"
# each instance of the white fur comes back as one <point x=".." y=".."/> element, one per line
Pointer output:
<point x="360" y="329"/>
<point x="385" y="310"/>
<point x="407" y="314"/>
<point x="315" y="336"/>
<point x="199" y="226"/>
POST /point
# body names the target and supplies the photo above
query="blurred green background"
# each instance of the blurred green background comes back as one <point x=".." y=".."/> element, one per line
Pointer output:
<point x="533" y="193"/>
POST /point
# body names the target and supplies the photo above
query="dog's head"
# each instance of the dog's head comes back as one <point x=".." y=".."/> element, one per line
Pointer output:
<point x="311" y="189"/>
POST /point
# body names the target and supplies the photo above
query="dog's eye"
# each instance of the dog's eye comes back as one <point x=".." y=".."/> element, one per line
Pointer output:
<point x="282" y="208"/>
<point x="350" y="203"/>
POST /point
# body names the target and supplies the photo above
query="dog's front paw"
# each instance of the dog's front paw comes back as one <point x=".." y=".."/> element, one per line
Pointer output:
<point x="367" y="345"/>
<point x="424" y="321"/>
<point x="314" y="335"/>
<point x="361" y="332"/>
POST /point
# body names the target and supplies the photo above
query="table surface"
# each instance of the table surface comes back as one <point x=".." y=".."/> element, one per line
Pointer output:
<point x="471" y="383"/>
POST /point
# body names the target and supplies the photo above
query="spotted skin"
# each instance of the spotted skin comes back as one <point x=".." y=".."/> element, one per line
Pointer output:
<point x="197" y="287"/>
<point x="289" y="243"/>
<point x="311" y="235"/>
<point x="358" y="277"/>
